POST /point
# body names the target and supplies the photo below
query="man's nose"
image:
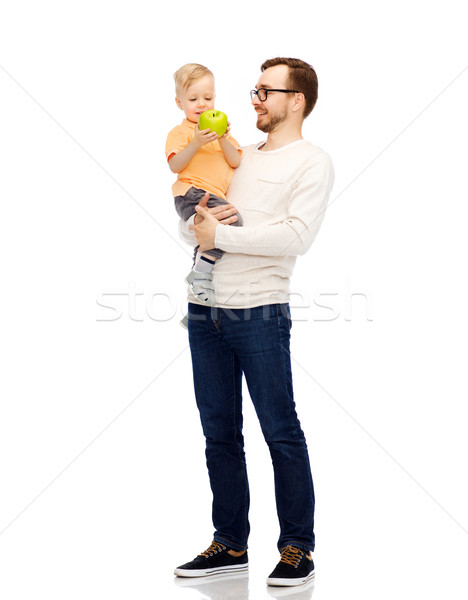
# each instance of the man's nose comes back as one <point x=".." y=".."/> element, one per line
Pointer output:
<point x="255" y="100"/>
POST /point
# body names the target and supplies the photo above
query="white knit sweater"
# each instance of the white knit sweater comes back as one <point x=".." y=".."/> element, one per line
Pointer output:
<point x="282" y="196"/>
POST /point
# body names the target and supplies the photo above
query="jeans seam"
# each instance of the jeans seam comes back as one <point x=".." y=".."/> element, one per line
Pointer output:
<point x="244" y="474"/>
<point x="217" y="322"/>
<point x="284" y="350"/>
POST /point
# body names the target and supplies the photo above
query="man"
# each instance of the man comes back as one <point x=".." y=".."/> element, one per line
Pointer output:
<point x="281" y="188"/>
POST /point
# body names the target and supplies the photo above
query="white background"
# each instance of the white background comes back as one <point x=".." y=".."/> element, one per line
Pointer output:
<point x="104" y="489"/>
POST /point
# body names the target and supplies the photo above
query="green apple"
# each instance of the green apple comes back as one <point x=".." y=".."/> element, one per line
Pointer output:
<point x="214" y="120"/>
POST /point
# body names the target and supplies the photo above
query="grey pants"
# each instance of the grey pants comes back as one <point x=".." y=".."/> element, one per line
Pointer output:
<point x="185" y="207"/>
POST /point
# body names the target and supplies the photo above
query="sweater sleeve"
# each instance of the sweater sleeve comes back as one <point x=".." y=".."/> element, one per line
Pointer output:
<point x="185" y="233"/>
<point x="295" y="233"/>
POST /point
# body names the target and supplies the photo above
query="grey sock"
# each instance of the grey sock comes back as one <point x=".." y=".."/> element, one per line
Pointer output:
<point x="203" y="265"/>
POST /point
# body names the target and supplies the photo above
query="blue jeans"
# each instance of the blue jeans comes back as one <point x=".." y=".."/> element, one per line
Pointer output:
<point x="226" y="343"/>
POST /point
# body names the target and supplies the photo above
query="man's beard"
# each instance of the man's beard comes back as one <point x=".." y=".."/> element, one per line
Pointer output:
<point x="273" y="122"/>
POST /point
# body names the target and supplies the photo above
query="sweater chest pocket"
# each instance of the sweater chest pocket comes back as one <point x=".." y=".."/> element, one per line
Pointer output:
<point x="269" y="196"/>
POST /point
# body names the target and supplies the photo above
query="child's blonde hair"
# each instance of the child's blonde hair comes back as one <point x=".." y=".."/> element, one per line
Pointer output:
<point x="189" y="73"/>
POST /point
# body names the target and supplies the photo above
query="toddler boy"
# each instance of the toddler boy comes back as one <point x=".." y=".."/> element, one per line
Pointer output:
<point x="203" y="162"/>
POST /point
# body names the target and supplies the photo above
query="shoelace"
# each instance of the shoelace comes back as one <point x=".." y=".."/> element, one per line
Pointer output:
<point x="213" y="549"/>
<point x="291" y="555"/>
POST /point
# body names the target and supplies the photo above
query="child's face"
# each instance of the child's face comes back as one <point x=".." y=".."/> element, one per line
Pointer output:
<point x="197" y="98"/>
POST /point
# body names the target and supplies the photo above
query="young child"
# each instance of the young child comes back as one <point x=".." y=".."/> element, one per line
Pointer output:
<point x="203" y="162"/>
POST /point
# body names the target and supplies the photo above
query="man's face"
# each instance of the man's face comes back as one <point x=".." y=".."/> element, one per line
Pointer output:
<point x="274" y="110"/>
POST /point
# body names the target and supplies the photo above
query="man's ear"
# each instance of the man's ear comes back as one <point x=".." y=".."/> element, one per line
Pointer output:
<point x="299" y="103"/>
<point x="178" y="102"/>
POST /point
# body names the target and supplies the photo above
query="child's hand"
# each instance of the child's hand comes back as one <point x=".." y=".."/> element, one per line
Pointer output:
<point x="226" y="133"/>
<point x="203" y="137"/>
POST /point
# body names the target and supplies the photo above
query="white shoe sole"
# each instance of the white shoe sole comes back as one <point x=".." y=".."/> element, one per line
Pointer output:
<point x="198" y="582"/>
<point x="214" y="571"/>
<point x="274" y="581"/>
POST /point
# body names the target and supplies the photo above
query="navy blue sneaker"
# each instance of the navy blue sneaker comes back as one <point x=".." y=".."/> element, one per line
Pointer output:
<point x="295" y="567"/>
<point x="215" y="560"/>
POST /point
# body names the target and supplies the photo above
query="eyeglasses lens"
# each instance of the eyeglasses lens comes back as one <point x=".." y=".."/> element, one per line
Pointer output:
<point x="261" y="94"/>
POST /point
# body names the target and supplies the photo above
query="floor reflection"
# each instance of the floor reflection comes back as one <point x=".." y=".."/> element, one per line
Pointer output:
<point x="218" y="587"/>
<point x="300" y="592"/>
<point x="236" y="587"/>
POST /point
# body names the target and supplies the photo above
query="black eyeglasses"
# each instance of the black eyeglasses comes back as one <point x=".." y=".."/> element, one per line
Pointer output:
<point x="262" y="93"/>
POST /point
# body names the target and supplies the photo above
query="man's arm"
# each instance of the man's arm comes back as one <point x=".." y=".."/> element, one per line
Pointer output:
<point x="292" y="236"/>
<point x="186" y="231"/>
<point x="225" y="214"/>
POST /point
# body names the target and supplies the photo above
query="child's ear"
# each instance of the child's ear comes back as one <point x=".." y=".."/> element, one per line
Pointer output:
<point x="177" y="101"/>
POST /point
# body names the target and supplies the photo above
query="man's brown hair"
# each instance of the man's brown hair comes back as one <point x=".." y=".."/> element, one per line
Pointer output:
<point x="302" y="77"/>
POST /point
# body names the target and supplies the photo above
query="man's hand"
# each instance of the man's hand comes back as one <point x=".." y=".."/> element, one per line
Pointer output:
<point x="207" y="220"/>
<point x="205" y="231"/>
<point x="226" y="213"/>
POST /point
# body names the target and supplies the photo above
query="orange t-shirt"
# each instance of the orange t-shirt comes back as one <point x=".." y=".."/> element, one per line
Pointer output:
<point x="208" y="169"/>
